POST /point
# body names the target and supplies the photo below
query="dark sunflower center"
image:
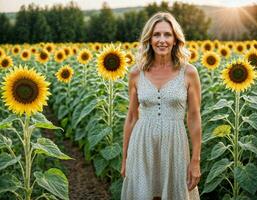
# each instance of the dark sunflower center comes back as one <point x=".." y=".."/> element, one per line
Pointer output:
<point x="25" y="91"/>
<point x="239" y="48"/>
<point x="211" y="60"/>
<point x="248" y="46"/>
<point x="1" y="53"/>
<point x="112" y="62"/>
<point x="97" y="47"/>
<point x="65" y="74"/>
<point x="33" y="50"/>
<point x="253" y="59"/>
<point x="16" y="50"/>
<point x="84" y="56"/>
<point x="49" y="49"/>
<point x="192" y="55"/>
<point x="230" y="46"/>
<point x="43" y="55"/>
<point x="59" y="56"/>
<point x="5" y="63"/>
<point x="224" y="52"/>
<point x="208" y="47"/>
<point x="66" y="51"/>
<point x="25" y="54"/>
<point x="238" y="73"/>
<point x="74" y="51"/>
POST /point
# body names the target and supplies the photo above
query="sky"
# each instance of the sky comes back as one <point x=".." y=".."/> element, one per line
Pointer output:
<point x="14" y="5"/>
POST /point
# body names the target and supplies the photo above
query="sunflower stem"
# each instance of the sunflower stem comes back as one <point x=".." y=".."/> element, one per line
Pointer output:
<point x="27" y="152"/>
<point x="110" y="108"/>
<point x="236" y="131"/>
<point x="84" y="76"/>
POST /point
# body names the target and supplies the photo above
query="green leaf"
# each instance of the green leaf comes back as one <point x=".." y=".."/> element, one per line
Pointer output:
<point x="62" y="111"/>
<point x="222" y="103"/>
<point x="218" y="168"/>
<point x="100" y="164"/>
<point x="86" y="111"/>
<point x="209" y="187"/>
<point x="40" y="121"/>
<point x="218" y="150"/>
<point x="219" y="117"/>
<point x="7" y="123"/>
<point x="95" y="139"/>
<point x="47" y="147"/>
<point x="9" y="183"/>
<point x="5" y="141"/>
<point x="252" y="120"/>
<point x="248" y="146"/>
<point x="54" y="181"/>
<point x="7" y="160"/>
<point x="250" y="99"/>
<point x="247" y="177"/>
<point x="111" y="152"/>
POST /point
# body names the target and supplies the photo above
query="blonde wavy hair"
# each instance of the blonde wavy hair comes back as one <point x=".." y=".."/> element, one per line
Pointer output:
<point x="145" y="55"/>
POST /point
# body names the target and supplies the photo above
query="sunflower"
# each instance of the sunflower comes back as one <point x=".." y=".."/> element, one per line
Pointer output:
<point x="59" y="56"/>
<point x="16" y="49"/>
<point x="49" y="47"/>
<point x="111" y="63"/>
<point x="6" y="62"/>
<point x="74" y="50"/>
<point x="25" y="91"/>
<point x="193" y="45"/>
<point x="33" y="50"/>
<point x="67" y="51"/>
<point x="211" y="60"/>
<point x="126" y="46"/>
<point x="2" y="52"/>
<point x="135" y="44"/>
<point x="207" y="46"/>
<point x="238" y="75"/>
<point x="248" y="45"/>
<point x="194" y="55"/>
<point x="42" y="56"/>
<point x="64" y="74"/>
<point x="25" y="55"/>
<point x="230" y="45"/>
<point x="222" y="131"/>
<point x="251" y="57"/>
<point x="239" y="47"/>
<point x="96" y="46"/>
<point x="84" y="56"/>
<point x="130" y="60"/>
<point x="224" y="51"/>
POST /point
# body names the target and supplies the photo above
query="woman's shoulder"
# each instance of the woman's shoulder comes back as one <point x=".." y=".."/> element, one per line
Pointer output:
<point x="135" y="71"/>
<point x="190" y="69"/>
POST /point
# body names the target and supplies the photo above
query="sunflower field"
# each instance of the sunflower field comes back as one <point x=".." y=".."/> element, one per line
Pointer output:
<point x="85" y="85"/>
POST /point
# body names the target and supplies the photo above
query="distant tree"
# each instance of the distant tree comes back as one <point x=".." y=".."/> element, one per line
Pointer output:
<point x="67" y="23"/>
<point x="5" y="29"/>
<point x="130" y="25"/>
<point x="193" y="21"/>
<point x="39" y="28"/>
<point x="102" y="27"/>
<point x="22" y="26"/>
<point x="153" y="8"/>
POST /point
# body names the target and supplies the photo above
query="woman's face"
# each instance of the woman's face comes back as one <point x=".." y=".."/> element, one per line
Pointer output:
<point x="162" y="39"/>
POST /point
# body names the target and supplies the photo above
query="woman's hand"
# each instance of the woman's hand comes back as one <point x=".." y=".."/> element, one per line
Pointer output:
<point x="123" y="168"/>
<point x="193" y="174"/>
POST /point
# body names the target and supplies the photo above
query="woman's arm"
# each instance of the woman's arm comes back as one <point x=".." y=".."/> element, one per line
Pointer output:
<point x="194" y="124"/>
<point x="132" y="115"/>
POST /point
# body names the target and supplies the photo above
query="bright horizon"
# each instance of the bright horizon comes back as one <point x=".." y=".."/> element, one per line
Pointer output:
<point x="14" y="5"/>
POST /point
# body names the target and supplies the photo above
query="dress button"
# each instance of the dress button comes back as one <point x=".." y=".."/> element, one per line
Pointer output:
<point x="159" y="97"/>
<point x="159" y="107"/>
<point x="158" y="90"/>
<point x="159" y="114"/>
<point x="159" y="104"/>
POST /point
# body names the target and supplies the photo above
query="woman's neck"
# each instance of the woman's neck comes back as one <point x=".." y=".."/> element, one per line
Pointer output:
<point x="162" y="61"/>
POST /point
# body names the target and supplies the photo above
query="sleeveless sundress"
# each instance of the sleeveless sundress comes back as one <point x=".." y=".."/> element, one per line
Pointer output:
<point x="158" y="150"/>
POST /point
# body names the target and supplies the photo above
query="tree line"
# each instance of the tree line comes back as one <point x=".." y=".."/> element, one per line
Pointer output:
<point x="69" y="24"/>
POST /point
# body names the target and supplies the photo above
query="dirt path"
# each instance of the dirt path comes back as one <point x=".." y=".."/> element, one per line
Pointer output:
<point x="83" y="183"/>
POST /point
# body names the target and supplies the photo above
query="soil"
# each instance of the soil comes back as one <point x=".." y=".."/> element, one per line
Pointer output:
<point x="83" y="183"/>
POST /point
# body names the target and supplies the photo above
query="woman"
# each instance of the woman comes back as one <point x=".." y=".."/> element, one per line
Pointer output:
<point x="156" y="160"/>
